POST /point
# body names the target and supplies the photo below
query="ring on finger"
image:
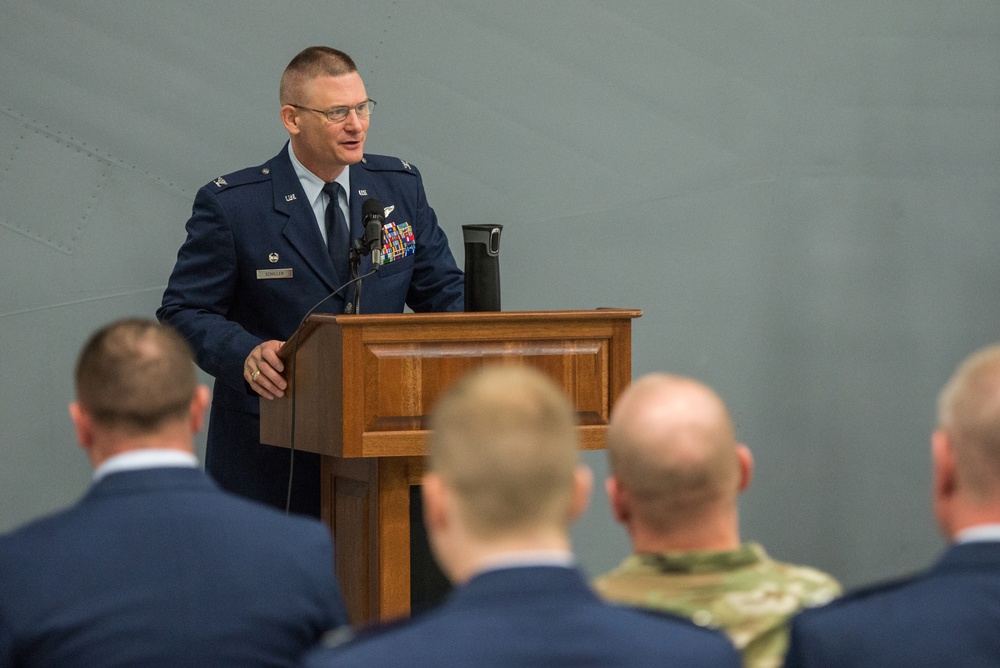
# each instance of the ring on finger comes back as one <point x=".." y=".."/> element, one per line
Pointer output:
<point x="254" y="375"/>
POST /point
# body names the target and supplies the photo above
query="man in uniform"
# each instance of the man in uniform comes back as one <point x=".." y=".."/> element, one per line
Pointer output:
<point x="156" y="566"/>
<point x="948" y="615"/>
<point x="267" y="244"/>
<point x="676" y="474"/>
<point x="503" y="485"/>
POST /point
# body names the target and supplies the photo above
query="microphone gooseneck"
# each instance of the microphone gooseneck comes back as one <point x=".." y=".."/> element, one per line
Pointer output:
<point x="291" y="375"/>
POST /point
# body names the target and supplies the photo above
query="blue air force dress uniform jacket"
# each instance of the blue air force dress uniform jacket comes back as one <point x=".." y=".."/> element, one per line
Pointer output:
<point x="254" y="263"/>
<point x="948" y="616"/>
<point x="532" y="616"/>
<point x="159" y="568"/>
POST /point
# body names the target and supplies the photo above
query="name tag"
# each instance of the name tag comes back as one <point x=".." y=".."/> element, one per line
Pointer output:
<point x="274" y="273"/>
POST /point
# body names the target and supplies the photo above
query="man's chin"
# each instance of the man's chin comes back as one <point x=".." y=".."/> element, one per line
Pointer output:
<point x="353" y="155"/>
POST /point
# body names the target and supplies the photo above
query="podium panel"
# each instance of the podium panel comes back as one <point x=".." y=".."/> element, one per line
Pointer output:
<point x="361" y="388"/>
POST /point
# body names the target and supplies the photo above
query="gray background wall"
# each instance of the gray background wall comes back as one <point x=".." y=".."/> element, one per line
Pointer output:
<point x="801" y="196"/>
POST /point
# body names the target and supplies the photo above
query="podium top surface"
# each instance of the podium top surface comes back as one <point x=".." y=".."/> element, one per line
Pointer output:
<point x="480" y="318"/>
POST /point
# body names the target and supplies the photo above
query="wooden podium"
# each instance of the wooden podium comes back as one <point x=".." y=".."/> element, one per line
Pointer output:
<point x="363" y="388"/>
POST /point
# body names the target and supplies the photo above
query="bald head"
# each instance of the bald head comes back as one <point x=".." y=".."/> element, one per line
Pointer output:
<point x="504" y="441"/>
<point x="969" y="414"/>
<point x="672" y="448"/>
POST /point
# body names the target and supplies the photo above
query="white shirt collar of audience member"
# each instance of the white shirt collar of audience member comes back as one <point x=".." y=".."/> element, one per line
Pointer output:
<point x="151" y="458"/>
<point x="981" y="533"/>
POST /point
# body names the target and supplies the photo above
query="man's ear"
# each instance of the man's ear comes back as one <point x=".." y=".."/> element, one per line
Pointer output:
<point x="618" y="499"/>
<point x="83" y="425"/>
<point x="290" y="119"/>
<point x="435" y="496"/>
<point x="583" y="481"/>
<point x="944" y="480"/>
<point x="199" y="404"/>
<point x="744" y="460"/>
<point x="943" y="464"/>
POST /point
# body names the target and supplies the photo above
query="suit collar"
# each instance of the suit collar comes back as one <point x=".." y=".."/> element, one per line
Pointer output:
<point x="508" y="586"/>
<point x="970" y="556"/>
<point x="300" y="229"/>
<point x="148" y="480"/>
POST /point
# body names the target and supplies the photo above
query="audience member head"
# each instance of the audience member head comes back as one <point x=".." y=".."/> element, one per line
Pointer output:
<point x="676" y="468"/>
<point x="504" y="471"/>
<point x="136" y="387"/>
<point x="966" y="445"/>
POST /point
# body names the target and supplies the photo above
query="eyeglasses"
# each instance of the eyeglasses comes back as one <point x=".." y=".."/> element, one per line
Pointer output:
<point x="338" y="114"/>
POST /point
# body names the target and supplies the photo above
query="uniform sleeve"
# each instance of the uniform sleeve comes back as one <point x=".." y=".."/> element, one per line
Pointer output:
<point x="6" y="642"/>
<point x="437" y="283"/>
<point x="200" y="292"/>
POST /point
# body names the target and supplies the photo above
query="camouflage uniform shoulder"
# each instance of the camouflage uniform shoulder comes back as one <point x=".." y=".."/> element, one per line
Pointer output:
<point x="808" y="575"/>
<point x="667" y="616"/>
<point x="240" y="178"/>
<point x="387" y="163"/>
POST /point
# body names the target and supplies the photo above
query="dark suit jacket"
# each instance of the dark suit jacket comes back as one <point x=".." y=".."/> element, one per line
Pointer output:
<point x="159" y="568"/>
<point x="533" y="616"/>
<point x="248" y="226"/>
<point x="948" y="616"/>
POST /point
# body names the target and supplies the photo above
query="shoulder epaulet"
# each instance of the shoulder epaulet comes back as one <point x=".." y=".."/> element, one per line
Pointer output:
<point x="387" y="163"/>
<point x="241" y="177"/>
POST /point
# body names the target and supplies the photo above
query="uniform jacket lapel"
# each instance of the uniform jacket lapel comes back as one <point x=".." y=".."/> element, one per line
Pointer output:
<point x="300" y="227"/>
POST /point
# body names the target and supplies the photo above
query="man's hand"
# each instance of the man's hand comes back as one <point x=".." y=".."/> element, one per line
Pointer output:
<point x="262" y="369"/>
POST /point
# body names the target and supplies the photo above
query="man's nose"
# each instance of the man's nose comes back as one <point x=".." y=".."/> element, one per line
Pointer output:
<point x="353" y="120"/>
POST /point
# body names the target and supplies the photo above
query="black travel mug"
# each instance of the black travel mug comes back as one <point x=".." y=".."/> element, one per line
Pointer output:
<point x="482" y="267"/>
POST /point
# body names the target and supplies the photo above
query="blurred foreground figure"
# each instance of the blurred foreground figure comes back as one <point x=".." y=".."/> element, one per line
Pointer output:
<point x="155" y="566"/>
<point x="949" y="615"/>
<point x="676" y="476"/>
<point x="504" y="482"/>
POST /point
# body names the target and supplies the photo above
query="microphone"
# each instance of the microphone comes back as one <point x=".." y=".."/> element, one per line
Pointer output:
<point x="373" y="218"/>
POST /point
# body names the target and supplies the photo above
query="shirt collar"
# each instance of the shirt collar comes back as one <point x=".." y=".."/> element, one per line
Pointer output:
<point x="979" y="534"/>
<point x="313" y="185"/>
<point x="150" y="458"/>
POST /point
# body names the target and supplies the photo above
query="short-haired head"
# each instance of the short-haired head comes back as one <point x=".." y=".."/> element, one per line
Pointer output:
<point x="969" y="414"/>
<point x="504" y="440"/>
<point x="312" y="62"/>
<point x="672" y="447"/>
<point x="135" y="375"/>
